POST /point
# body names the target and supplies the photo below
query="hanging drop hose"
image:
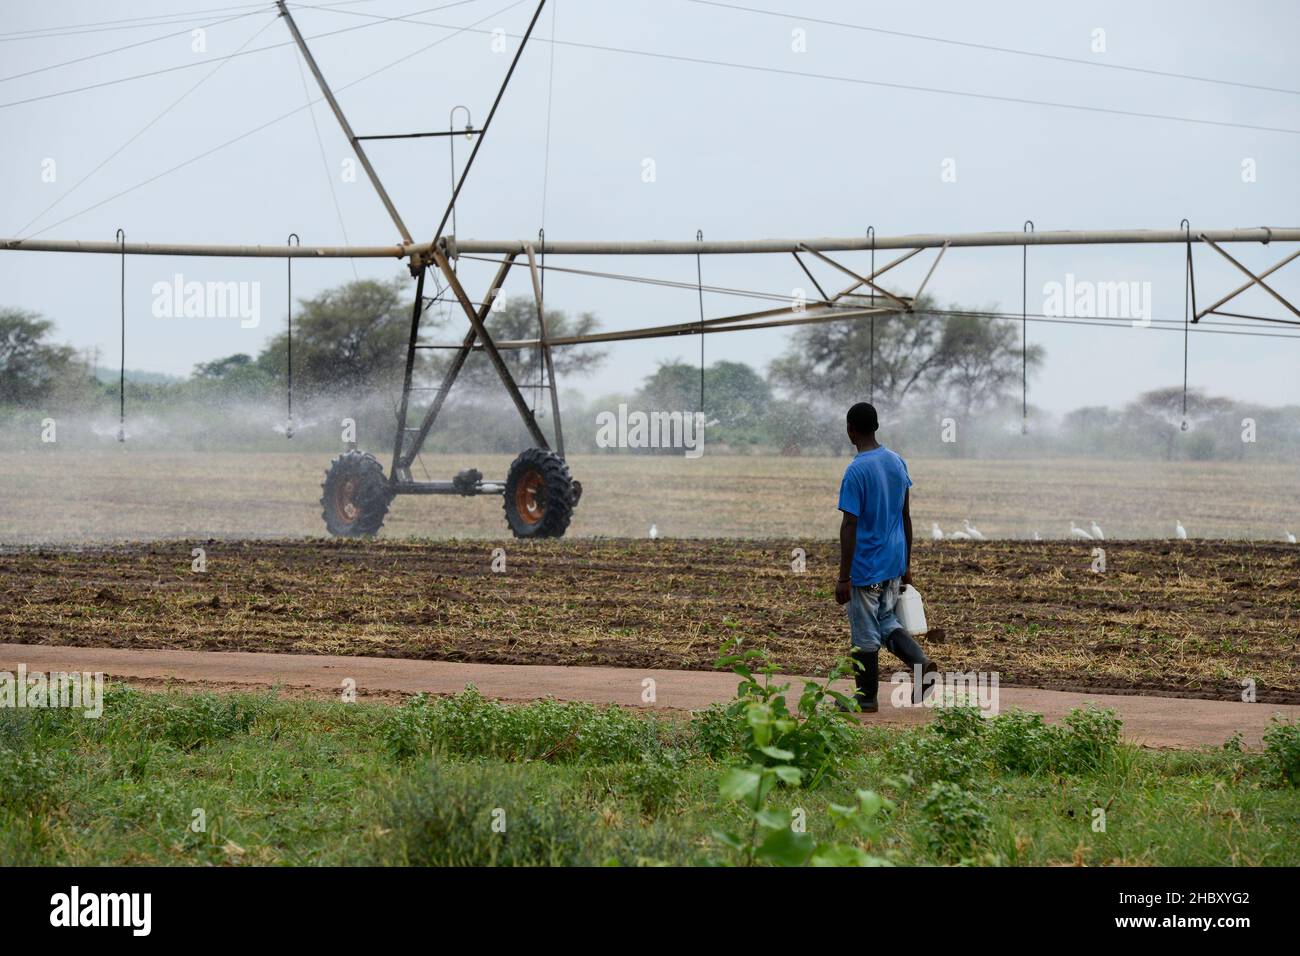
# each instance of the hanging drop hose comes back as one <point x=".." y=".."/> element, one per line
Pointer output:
<point x="1187" y="283"/>
<point x="541" y="235"/>
<point x="121" y="379"/>
<point x="451" y="146"/>
<point x="541" y="318"/>
<point x="699" y="287"/>
<point x="293" y="240"/>
<point x="1024" y="331"/>
<point x="871" y="393"/>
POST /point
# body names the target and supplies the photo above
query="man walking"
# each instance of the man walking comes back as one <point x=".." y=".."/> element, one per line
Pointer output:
<point x="875" y="556"/>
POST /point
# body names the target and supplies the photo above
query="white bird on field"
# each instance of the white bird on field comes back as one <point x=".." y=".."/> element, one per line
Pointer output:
<point x="1037" y="536"/>
<point x="959" y="536"/>
<point x="654" y="532"/>
<point x="1077" y="532"/>
<point x="973" y="531"/>
<point x="1290" y="538"/>
<point x="1096" y="532"/>
<point x="1179" y="531"/>
<point x="936" y="533"/>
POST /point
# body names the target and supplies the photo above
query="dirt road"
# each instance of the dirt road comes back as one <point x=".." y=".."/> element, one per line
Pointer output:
<point x="1150" y="721"/>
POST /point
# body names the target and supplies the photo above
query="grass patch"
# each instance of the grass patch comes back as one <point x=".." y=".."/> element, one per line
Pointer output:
<point x="192" y="779"/>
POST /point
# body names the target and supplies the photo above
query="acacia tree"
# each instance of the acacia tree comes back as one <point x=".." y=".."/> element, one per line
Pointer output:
<point x="1091" y="429"/>
<point x="736" y="397"/>
<point x="348" y="340"/>
<point x="975" y="358"/>
<point x="237" y="374"/>
<point x="834" y="362"/>
<point x="1156" y="417"/>
<point x="673" y="386"/>
<point x="515" y="319"/>
<point x="980" y="361"/>
<point x="980" y="365"/>
<point x="31" y="369"/>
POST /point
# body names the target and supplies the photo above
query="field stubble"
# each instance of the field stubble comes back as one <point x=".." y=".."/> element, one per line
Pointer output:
<point x="1188" y="618"/>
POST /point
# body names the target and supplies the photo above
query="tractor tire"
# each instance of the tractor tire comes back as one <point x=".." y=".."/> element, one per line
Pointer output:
<point x="355" y="495"/>
<point x="539" y="495"/>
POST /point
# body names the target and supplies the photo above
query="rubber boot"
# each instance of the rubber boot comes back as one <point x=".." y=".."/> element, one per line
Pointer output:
<point x="909" y="652"/>
<point x="866" y="675"/>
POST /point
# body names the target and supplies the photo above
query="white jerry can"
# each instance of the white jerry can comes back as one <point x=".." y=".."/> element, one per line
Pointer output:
<point x="911" y="611"/>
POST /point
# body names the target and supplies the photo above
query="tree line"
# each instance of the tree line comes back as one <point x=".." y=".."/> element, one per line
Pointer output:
<point x="946" y="381"/>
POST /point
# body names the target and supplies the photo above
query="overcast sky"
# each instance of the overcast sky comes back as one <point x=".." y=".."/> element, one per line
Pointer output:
<point x="739" y="153"/>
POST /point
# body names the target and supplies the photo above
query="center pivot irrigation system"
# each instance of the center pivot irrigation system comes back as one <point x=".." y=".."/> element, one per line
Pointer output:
<point x="539" y="491"/>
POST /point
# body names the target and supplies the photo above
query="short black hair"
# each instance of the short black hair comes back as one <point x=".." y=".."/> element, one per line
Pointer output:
<point x="863" y="418"/>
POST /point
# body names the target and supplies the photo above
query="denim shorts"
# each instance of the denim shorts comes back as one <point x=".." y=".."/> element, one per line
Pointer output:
<point x="871" y="615"/>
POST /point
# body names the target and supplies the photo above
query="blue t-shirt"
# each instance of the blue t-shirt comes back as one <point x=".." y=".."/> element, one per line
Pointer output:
<point x="873" y="489"/>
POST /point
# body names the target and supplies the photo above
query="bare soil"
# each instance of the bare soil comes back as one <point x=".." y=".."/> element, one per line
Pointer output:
<point x="1195" y="619"/>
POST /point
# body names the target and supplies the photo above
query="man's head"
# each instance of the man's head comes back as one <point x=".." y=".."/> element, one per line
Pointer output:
<point x="862" y="421"/>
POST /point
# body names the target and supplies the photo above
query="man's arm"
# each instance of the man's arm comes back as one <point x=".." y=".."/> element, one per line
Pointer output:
<point x="907" y="533"/>
<point x="848" y="542"/>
